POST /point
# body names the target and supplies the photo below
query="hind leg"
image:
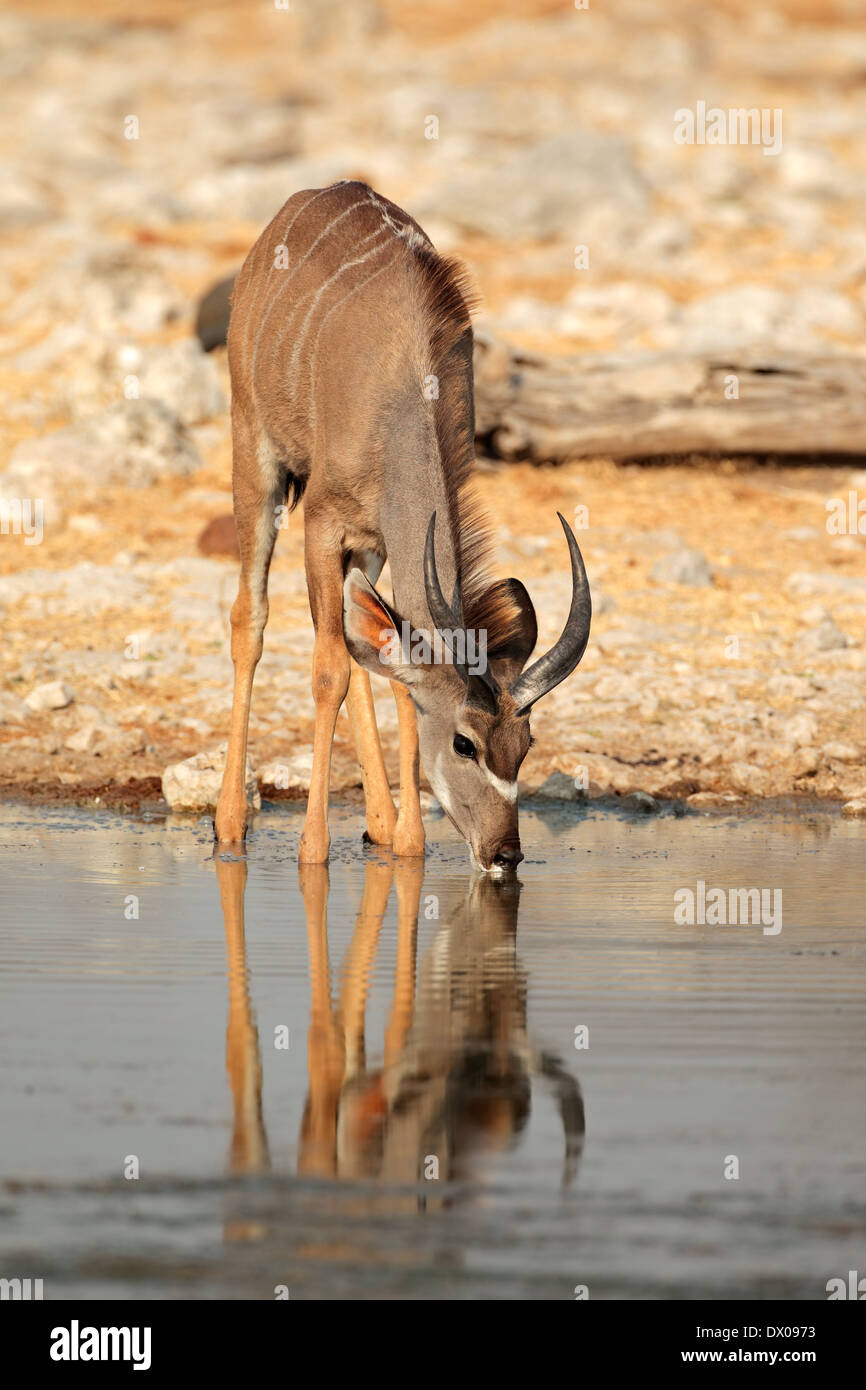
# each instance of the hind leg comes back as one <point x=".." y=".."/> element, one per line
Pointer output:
<point x="257" y="492"/>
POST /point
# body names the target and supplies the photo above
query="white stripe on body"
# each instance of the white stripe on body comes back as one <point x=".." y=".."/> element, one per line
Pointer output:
<point x="289" y="275"/>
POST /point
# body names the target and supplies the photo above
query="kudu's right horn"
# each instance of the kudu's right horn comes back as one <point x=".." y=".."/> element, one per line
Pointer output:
<point x="541" y="677"/>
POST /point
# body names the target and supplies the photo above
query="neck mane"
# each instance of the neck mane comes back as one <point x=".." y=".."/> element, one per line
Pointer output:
<point x="431" y="455"/>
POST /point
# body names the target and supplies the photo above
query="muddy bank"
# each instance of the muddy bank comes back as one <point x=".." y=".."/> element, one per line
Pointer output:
<point x="735" y="671"/>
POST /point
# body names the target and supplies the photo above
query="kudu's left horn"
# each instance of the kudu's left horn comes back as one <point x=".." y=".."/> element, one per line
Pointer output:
<point x="560" y="661"/>
<point x="483" y="688"/>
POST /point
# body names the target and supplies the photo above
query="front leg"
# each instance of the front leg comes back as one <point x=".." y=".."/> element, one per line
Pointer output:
<point x="374" y="777"/>
<point x="323" y="558"/>
<point x="409" y="831"/>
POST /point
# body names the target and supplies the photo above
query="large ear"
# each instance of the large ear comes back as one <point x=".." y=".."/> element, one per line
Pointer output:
<point x="509" y="657"/>
<point x="375" y="634"/>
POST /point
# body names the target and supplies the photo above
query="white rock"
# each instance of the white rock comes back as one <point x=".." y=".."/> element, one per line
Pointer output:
<point x="784" y="686"/>
<point x="843" y="752"/>
<point x="801" y="730"/>
<point x="683" y="567"/>
<point x="131" y="444"/>
<point x="749" y="778"/>
<point x="185" y="379"/>
<point x="806" y="761"/>
<point x="287" y="773"/>
<point x="12" y="710"/>
<point x="52" y="695"/>
<point x="82" y="740"/>
<point x="194" y="784"/>
<point x="826" y="637"/>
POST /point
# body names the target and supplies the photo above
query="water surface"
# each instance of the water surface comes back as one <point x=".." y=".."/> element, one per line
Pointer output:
<point x="363" y="1082"/>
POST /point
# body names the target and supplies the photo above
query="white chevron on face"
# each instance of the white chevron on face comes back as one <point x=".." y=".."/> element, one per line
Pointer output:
<point x="506" y="789"/>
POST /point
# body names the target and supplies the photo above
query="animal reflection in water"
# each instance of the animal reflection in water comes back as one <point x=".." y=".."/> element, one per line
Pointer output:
<point x="459" y="1068"/>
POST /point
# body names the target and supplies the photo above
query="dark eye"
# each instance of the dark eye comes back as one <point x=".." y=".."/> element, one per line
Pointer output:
<point x="464" y="746"/>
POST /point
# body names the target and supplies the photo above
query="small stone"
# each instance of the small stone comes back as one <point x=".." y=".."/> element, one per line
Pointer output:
<point x="801" y="533"/>
<point x="82" y="740"/>
<point x="52" y="695"/>
<point x="641" y="802"/>
<point x="842" y="752"/>
<point x="12" y="710"/>
<point x="801" y="730"/>
<point x="683" y="567"/>
<point x="543" y="188"/>
<point x="617" y="640"/>
<point x="220" y="537"/>
<point x="826" y="637"/>
<point x="559" y="787"/>
<point x="289" y="774"/>
<point x="101" y="737"/>
<point x="748" y="778"/>
<point x="856" y="809"/>
<point x="805" y="761"/>
<point x="212" y="314"/>
<point x="700" y="799"/>
<point x="816" y="614"/>
<point x="784" y="686"/>
<point x="601" y="602"/>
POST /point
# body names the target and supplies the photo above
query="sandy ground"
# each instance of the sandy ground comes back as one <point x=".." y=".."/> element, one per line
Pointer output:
<point x="676" y="714"/>
<point x="747" y="685"/>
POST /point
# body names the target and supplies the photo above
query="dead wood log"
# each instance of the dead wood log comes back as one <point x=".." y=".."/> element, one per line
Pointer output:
<point x="550" y="409"/>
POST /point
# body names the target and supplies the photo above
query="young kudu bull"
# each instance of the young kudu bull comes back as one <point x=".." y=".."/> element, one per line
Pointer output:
<point x="350" y="350"/>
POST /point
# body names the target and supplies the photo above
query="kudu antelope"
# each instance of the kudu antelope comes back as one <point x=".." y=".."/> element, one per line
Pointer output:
<point x="350" y="351"/>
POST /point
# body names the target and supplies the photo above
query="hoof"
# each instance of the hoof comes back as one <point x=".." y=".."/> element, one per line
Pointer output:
<point x="410" y="850"/>
<point x="409" y="842"/>
<point x="233" y="834"/>
<point x="380" y="834"/>
<point x="308" y="855"/>
<point x="227" y="840"/>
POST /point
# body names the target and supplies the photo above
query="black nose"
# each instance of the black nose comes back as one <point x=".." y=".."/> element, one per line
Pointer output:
<point x="509" y="855"/>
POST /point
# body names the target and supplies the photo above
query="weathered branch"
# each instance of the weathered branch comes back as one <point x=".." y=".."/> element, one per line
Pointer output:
<point x="550" y="409"/>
